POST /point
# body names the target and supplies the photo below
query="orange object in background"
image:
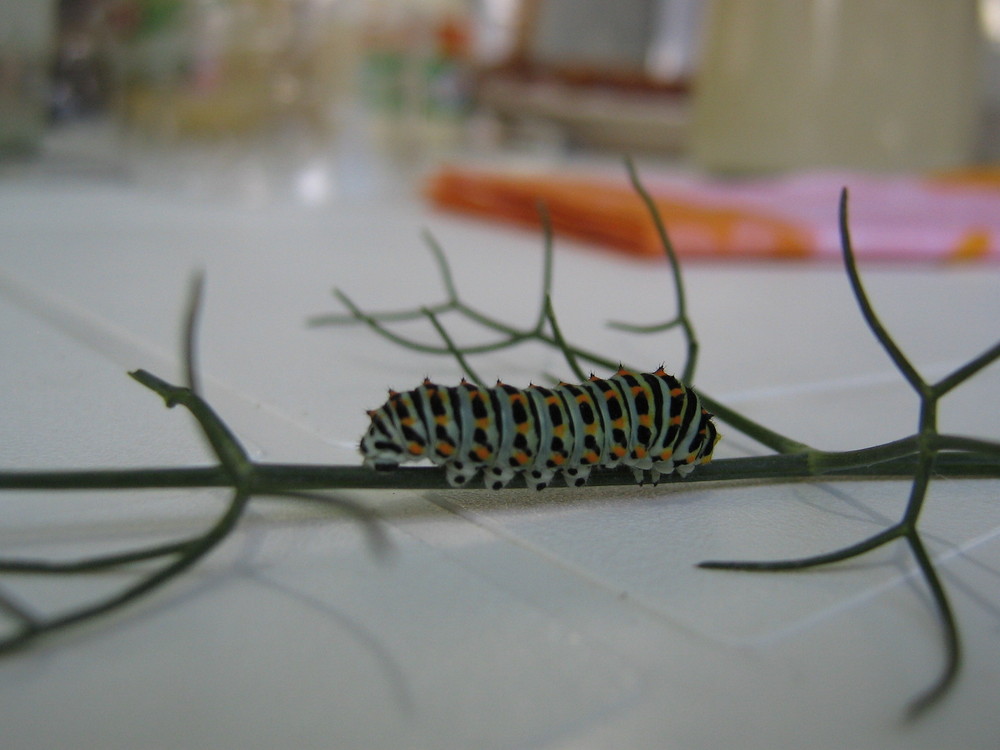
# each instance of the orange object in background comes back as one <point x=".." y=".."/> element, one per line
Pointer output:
<point x="909" y="218"/>
<point x="607" y="213"/>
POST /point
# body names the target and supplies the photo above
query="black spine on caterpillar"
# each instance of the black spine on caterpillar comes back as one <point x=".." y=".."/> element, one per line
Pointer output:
<point x="646" y="421"/>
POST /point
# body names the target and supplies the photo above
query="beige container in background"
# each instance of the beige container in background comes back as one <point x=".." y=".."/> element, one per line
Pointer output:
<point x="883" y="85"/>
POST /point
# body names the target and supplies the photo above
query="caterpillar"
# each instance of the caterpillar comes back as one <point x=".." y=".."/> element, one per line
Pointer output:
<point x="646" y="421"/>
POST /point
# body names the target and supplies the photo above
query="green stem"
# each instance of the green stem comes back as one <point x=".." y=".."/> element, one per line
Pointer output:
<point x="265" y="478"/>
<point x="561" y="342"/>
<point x="454" y="350"/>
<point x="814" y="561"/>
<point x="864" y="305"/>
<point x="227" y="448"/>
<point x="967" y="370"/>
<point x="675" y="269"/>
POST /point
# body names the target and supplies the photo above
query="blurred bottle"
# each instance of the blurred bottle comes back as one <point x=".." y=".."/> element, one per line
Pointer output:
<point x="235" y="98"/>
<point x="868" y="84"/>
<point x="416" y="74"/>
<point x="218" y="67"/>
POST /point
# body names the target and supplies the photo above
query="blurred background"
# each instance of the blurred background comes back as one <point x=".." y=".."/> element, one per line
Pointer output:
<point x="315" y="100"/>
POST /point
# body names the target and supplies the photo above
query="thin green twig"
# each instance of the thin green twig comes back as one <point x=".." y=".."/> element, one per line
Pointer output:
<point x="867" y="311"/>
<point x="548" y="254"/>
<point x="235" y="469"/>
<point x="681" y="317"/>
<point x="454" y="350"/>
<point x="967" y="370"/>
<point x="811" y="561"/>
<point x="223" y="442"/>
<point x="567" y="351"/>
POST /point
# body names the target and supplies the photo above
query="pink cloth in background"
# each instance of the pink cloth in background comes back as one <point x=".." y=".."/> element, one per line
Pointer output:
<point x="890" y="218"/>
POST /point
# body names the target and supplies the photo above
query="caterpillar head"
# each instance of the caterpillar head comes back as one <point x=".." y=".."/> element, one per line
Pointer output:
<point x="381" y="446"/>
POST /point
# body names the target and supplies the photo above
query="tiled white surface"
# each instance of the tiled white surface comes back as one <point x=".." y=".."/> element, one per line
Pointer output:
<point x="565" y="619"/>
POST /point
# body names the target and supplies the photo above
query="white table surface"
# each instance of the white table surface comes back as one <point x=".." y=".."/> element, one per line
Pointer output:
<point x="562" y="619"/>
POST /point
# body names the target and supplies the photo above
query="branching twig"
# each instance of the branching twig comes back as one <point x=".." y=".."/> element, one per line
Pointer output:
<point x="379" y="322"/>
<point x="237" y="471"/>
<point x="927" y="444"/>
<point x="680" y="295"/>
<point x="923" y="451"/>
